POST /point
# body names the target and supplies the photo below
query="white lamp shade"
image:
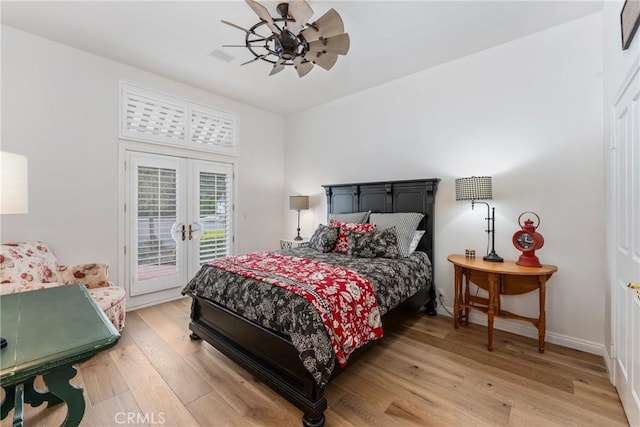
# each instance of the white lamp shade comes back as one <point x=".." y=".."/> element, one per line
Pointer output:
<point x="14" y="184"/>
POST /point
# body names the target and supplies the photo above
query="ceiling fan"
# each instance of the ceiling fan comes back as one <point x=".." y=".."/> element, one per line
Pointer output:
<point x="292" y="40"/>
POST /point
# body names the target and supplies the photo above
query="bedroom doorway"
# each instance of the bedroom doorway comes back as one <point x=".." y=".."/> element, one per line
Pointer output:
<point x="179" y="215"/>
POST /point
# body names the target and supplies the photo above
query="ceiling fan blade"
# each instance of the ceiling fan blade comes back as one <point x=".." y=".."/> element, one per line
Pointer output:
<point x="302" y="68"/>
<point x="337" y="44"/>
<point x="236" y="26"/>
<point x="301" y="12"/>
<point x="277" y="67"/>
<point x="324" y="60"/>
<point x="328" y="25"/>
<point x="254" y="59"/>
<point x="263" y="14"/>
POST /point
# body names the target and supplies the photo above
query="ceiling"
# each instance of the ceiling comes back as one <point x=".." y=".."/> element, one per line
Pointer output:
<point x="389" y="40"/>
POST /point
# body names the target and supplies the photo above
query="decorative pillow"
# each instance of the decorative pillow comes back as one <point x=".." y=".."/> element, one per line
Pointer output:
<point x="406" y="224"/>
<point x="415" y="241"/>
<point x="351" y="218"/>
<point x="342" y="243"/>
<point x="28" y="263"/>
<point x="379" y="244"/>
<point x="324" y="238"/>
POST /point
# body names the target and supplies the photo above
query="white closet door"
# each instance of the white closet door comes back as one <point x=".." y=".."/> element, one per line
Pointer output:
<point x="626" y="245"/>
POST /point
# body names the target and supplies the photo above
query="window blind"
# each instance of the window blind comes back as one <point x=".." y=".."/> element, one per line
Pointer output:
<point x="154" y="117"/>
<point x="213" y="128"/>
<point x="215" y="215"/>
<point x="157" y="213"/>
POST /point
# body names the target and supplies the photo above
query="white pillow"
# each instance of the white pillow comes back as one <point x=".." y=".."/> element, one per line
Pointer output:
<point x="406" y="224"/>
<point x="417" y="235"/>
<point x="351" y="218"/>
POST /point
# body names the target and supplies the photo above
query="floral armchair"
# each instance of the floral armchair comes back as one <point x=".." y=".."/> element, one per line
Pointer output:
<point x="28" y="266"/>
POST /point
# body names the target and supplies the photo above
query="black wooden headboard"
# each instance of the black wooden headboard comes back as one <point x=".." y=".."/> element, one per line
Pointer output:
<point x="417" y="195"/>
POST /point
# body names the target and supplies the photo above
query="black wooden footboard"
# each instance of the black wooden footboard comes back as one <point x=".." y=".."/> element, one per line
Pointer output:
<point x="269" y="356"/>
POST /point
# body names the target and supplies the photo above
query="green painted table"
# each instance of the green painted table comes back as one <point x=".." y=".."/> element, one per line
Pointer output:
<point x="47" y="332"/>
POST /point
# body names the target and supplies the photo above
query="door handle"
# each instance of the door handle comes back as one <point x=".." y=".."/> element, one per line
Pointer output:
<point x="633" y="285"/>
<point x="193" y="229"/>
<point x="178" y="229"/>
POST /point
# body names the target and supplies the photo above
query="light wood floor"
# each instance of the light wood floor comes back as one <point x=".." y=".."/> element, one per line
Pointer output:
<point x="427" y="374"/>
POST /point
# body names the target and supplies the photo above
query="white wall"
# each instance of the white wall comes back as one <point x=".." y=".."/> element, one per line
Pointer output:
<point x="529" y="113"/>
<point x="617" y="65"/>
<point x="60" y="109"/>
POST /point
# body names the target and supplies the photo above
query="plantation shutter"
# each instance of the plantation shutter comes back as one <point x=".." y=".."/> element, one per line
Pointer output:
<point x="213" y="129"/>
<point x="154" y="117"/>
<point x="151" y="117"/>
<point x="216" y="212"/>
<point x="156" y="215"/>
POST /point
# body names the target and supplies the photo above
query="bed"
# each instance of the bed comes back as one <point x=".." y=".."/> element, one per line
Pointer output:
<point x="272" y="355"/>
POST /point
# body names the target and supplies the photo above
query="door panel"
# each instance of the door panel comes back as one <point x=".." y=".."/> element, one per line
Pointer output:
<point x="625" y="209"/>
<point x="157" y="213"/>
<point x="211" y="213"/>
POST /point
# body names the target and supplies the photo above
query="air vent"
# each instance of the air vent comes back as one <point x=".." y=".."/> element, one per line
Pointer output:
<point x="221" y="55"/>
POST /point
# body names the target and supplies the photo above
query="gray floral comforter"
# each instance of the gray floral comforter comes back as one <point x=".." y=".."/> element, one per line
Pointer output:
<point x="393" y="280"/>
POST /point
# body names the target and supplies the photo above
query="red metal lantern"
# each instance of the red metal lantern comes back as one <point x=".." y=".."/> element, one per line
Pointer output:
<point x="528" y="241"/>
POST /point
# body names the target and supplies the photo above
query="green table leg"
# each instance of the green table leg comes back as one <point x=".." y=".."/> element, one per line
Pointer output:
<point x="19" y="404"/>
<point x="35" y="397"/>
<point x="58" y="384"/>
<point x="8" y="402"/>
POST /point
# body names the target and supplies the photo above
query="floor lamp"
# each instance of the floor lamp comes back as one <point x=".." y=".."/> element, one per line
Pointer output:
<point x="479" y="188"/>
<point x="14" y="189"/>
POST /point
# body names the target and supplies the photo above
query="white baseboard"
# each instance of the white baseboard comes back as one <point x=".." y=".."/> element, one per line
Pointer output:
<point x="146" y="304"/>
<point x="527" y="330"/>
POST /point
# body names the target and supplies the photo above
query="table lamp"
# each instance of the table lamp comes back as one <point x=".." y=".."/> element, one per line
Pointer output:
<point x="298" y="203"/>
<point x="479" y="188"/>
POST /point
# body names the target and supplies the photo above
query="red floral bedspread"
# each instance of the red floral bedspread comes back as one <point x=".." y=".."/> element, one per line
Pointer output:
<point x="344" y="299"/>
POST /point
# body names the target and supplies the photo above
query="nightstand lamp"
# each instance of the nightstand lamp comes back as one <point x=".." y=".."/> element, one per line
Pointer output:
<point x="479" y="188"/>
<point x="298" y="203"/>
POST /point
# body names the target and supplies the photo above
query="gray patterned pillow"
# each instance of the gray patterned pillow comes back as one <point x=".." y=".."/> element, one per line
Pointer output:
<point x="351" y="218"/>
<point x="406" y="223"/>
<point x="378" y="244"/>
<point x="324" y="238"/>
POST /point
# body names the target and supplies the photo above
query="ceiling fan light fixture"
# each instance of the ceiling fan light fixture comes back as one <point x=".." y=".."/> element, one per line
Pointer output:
<point x="321" y="59"/>
<point x="337" y="44"/>
<point x="300" y="11"/>
<point x="293" y="41"/>
<point x="277" y="67"/>
<point x="302" y="66"/>
<point x="330" y="24"/>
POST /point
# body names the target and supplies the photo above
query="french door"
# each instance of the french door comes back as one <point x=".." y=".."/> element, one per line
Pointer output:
<point x="179" y="215"/>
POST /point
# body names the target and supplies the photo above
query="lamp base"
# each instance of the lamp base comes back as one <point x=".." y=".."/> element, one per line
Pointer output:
<point x="493" y="257"/>
<point x="298" y="237"/>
